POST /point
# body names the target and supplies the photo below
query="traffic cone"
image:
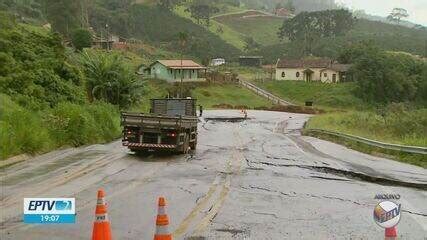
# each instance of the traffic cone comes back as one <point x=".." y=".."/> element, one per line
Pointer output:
<point x="101" y="226"/>
<point x="162" y="222"/>
<point x="390" y="233"/>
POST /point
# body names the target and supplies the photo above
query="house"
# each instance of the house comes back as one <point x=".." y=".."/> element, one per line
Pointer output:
<point x="283" y="12"/>
<point x="217" y="61"/>
<point x="174" y="70"/>
<point x="316" y="69"/>
<point x="251" y="61"/>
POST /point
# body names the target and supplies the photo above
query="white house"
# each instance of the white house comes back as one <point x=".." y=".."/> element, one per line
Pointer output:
<point x="217" y="61"/>
<point x="319" y="69"/>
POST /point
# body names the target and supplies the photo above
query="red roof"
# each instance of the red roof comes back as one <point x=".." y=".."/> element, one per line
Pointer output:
<point x="304" y="63"/>
<point x="178" y="64"/>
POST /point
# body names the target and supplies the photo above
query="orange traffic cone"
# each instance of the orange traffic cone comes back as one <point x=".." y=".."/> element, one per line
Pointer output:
<point x="101" y="226"/>
<point x="390" y="233"/>
<point x="162" y="222"/>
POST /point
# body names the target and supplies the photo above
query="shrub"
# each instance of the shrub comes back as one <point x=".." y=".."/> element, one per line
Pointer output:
<point x="21" y="130"/>
<point x="81" y="38"/>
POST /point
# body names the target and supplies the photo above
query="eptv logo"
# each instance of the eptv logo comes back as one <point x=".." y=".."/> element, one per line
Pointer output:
<point x="49" y="210"/>
<point x="49" y="205"/>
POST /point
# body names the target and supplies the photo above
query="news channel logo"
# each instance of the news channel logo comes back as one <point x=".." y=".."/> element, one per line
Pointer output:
<point x="387" y="214"/>
<point x="49" y="210"/>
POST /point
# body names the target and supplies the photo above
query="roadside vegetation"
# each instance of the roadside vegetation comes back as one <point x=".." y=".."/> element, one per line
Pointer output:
<point x="228" y="96"/>
<point x="46" y="93"/>
<point x="210" y="96"/>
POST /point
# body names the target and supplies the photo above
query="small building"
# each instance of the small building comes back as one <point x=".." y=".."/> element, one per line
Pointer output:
<point x="250" y="61"/>
<point x="318" y="69"/>
<point x="217" y="61"/>
<point x="174" y="70"/>
<point x="283" y="12"/>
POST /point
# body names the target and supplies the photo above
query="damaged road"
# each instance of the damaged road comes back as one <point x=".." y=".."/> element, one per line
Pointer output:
<point x="255" y="178"/>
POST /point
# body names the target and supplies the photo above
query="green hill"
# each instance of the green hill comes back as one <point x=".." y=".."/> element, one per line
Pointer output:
<point x="258" y="25"/>
<point x="387" y="36"/>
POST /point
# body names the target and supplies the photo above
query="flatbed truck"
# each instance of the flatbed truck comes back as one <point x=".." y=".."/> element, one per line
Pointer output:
<point x="170" y="126"/>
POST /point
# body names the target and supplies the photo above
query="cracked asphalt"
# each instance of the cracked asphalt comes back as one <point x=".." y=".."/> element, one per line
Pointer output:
<point x="252" y="179"/>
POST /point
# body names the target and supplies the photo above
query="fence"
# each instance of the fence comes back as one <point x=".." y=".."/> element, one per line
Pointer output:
<point x="389" y="146"/>
<point x="263" y="93"/>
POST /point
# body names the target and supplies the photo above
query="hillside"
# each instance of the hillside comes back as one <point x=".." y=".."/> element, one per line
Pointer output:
<point x="387" y="36"/>
<point x="43" y="94"/>
<point x="260" y="26"/>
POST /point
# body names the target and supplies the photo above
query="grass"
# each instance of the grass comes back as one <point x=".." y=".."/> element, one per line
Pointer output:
<point x="262" y="29"/>
<point x="228" y="34"/>
<point x="403" y="127"/>
<point x="152" y="89"/>
<point x="212" y="96"/>
<point x="325" y="96"/>
<point x="67" y="124"/>
<point x="414" y="159"/>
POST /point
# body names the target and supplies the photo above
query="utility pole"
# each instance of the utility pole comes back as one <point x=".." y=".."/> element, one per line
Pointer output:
<point x="182" y="75"/>
<point x="108" y="37"/>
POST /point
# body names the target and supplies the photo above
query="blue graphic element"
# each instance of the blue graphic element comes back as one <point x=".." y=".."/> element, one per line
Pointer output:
<point x="63" y="205"/>
<point x="49" y="218"/>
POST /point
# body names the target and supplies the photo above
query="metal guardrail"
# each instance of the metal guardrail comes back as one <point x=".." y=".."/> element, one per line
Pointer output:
<point x="263" y="93"/>
<point x="389" y="146"/>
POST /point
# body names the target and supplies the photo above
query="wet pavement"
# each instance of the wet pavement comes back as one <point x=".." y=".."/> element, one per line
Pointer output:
<point x="249" y="179"/>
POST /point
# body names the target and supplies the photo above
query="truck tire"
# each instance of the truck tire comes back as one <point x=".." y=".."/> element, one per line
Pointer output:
<point x="193" y="145"/>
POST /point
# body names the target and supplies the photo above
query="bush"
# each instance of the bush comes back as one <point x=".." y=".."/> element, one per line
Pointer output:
<point x="25" y="131"/>
<point x="21" y="131"/>
<point x="80" y="125"/>
<point x="81" y="38"/>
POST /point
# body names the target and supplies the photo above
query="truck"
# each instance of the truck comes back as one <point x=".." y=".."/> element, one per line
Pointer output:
<point x="171" y="125"/>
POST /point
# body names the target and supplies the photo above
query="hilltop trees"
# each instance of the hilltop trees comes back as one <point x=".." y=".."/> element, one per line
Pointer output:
<point x="385" y="77"/>
<point x="307" y="27"/>
<point x="201" y="10"/>
<point x="397" y="14"/>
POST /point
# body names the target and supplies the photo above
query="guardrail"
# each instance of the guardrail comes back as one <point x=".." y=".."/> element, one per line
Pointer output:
<point x="263" y="93"/>
<point x="389" y="146"/>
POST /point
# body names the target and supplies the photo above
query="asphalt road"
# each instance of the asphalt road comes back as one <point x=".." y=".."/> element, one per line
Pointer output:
<point x="256" y="179"/>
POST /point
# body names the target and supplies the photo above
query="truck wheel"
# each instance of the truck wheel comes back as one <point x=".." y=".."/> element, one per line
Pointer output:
<point x="193" y="145"/>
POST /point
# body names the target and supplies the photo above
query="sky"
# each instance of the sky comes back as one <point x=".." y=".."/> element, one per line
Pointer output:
<point x="417" y="9"/>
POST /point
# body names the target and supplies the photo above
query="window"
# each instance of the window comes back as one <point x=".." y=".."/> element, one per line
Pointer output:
<point x="193" y="70"/>
<point x="325" y="74"/>
<point x="283" y="74"/>
<point x="170" y="71"/>
<point x="297" y="74"/>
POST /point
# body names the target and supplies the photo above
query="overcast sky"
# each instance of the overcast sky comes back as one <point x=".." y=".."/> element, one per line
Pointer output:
<point x="417" y="9"/>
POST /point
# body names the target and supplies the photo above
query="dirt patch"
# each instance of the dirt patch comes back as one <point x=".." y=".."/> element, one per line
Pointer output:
<point x="229" y="106"/>
<point x="292" y="109"/>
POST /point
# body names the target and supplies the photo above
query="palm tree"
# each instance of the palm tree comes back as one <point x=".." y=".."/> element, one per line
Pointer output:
<point x="183" y="38"/>
<point x="108" y="78"/>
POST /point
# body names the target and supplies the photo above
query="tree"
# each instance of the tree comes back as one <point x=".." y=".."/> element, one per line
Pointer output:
<point x="64" y="15"/>
<point x="307" y="27"/>
<point x="202" y="11"/>
<point x="169" y="4"/>
<point x="384" y="77"/>
<point x="397" y="14"/>
<point x="109" y="78"/>
<point x="81" y="38"/>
